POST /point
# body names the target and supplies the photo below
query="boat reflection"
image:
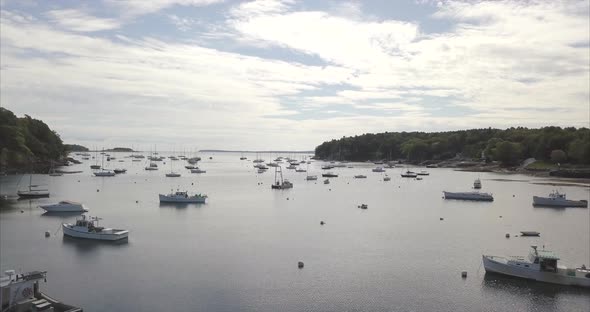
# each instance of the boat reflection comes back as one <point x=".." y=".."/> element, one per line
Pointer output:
<point x="88" y="245"/>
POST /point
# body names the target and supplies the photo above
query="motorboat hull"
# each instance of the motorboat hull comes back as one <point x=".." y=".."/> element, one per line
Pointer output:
<point x="106" y="235"/>
<point x="32" y="194"/>
<point x="63" y="208"/>
<point x="469" y="196"/>
<point x="187" y="200"/>
<point x="497" y="265"/>
<point x="557" y="202"/>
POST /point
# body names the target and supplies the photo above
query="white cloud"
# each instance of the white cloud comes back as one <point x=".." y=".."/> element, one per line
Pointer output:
<point x="140" y="7"/>
<point x="77" y="20"/>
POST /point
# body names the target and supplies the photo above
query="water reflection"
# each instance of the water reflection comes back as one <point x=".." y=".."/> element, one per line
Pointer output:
<point x="179" y="205"/>
<point x="89" y="245"/>
<point x="538" y="296"/>
<point x="61" y="214"/>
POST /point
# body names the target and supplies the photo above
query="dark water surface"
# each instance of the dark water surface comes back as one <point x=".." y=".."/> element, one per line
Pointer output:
<point x="239" y="252"/>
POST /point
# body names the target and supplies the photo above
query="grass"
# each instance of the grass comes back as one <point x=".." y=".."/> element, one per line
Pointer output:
<point x="541" y="165"/>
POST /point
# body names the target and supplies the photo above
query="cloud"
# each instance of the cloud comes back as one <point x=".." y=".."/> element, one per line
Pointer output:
<point x="141" y="7"/>
<point x="77" y="20"/>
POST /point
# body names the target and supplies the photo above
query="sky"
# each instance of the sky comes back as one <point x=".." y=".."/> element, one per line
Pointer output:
<point x="289" y="75"/>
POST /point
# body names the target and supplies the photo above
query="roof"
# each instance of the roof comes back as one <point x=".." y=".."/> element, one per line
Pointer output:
<point x="546" y="254"/>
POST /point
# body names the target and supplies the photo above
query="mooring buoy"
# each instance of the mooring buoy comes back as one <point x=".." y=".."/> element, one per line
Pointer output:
<point x="464" y="274"/>
<point x="47" y="234"/>
<point x="300" y="264"/>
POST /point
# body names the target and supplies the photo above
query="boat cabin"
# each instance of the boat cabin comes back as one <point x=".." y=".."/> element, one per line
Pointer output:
<point x="556" y="195"/>
<point x="545" y="259"/>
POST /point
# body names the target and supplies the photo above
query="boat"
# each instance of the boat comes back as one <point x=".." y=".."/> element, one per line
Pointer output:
<point x="329" y="174"/>
<point x="261" y="166"/>
<point x="409" y="174"/>
<point x="431" y="166"/>
<point x="360" y="176"/>
<point x="292" y="167"/>
<point x="540" y="265"/>
<point x="386" y="178"/>
<point x="94" y="166"/>
<point x="182" y="197"/>
<point x="119" y="170"/>
<point x="33" y="191"/>
<point x="64" y="206"/>
<point x="150" y="168"/>
<point x="311" y="178"/>
<point x="190" y="167"/>
<point x="423" y="173"/>
<point x="477" y="184"/>
<point x="327" y="181"/>
<point x="557" y="199"/>
<point x="87" y="227"/>
<point x="104" y="173"/>
<point x="300" y="170"/>
<point x="327" y="167"/>
<point x="477" y="196"/>
<point x="21" y="292"/>
<point x="529" y="233"/>
<point x="261" y="170"/>
<point x="282" y="184"/>
<point x="272" y="164"/>
<point x="172" y="175"/>
<point x="378" y="169"/>
<point x="197" y="170"/>
<point x="418" y="178"/>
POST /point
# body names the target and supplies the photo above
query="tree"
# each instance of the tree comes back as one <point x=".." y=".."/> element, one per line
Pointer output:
<point x="558" y="156"/>
<point x="508" y="153"/>
<point x="579" y="151"/>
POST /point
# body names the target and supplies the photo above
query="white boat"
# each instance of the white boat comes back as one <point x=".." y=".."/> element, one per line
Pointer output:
<point x="104" y="173"/>
<point x="557" y="199"/>
<point x="150" y="168"/>
<point x="87" y="227"/>
<point x="172" y="175"/>
<point x="311" y="178"/>
<point x="378" y="169"/>
<point x="280" y="184"/>
<point x="33" y="192"/>
<point x="477" y="196"/>
<point x="21" y="292"/>
<point x="423" y="173"/>
<point x="193" y="160"/>
<point x="300" y="170"/>
<point x="197" y="170"/>
<point x="292" y="167"/>
<point x="261" y="166"/>
<point x="329" y="175"/>
<point x="272" y="164"/>
<point x="540" y="265"/>
<point x="64" y="206"/>
<point x="477" y="184"/>
<point x="261" y="170"/>
<point x="119" y="170"/>
<point x="258" y="161"/>
<point x="360" y="176"/>
<point x="327" y="167"/>
<point x="182" y="197"/>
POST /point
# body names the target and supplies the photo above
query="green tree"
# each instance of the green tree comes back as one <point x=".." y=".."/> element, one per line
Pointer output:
<point x="558" y="156"/>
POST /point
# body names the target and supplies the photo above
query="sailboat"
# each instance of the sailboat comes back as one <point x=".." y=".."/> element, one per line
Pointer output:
<point x="283" y="184"/>
<point x="33" y="191"/>
<point x="172" y="174"/>
<point x="242" y="157"/>
<point x="96" y="165"/>
<point x="310" y="177"/>
<point x="104" y="172"/>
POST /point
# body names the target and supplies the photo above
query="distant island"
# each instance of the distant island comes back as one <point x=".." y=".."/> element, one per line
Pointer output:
<point x="119" y="149"/>
<point x="261" y="152"/>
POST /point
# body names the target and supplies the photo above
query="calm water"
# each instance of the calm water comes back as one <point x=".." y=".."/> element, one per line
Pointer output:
<point x="239" y="252"/>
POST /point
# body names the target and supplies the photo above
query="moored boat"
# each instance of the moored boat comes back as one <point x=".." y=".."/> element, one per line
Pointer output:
<point x="329" y="175"/>
<point x="409" y="174"/>
<point x="378" y="169"/>
<point x="280" y="184"/>
<point x="360" y="176"/>
<point x="541" y="265"/>
<point x="423" y="173"/>
<point x="64" y="206"/>
<point x="182" y="197"/>
<point x="21" y="292"/>
<point x="87" y="227"/>
<point x="477" y="184"/>
<point x="33" y="192"/>
<point x="477" y="196"/>
<point x="104" y="173"/>
<point x="172" y="175"/>
<point x="557" y="199"/>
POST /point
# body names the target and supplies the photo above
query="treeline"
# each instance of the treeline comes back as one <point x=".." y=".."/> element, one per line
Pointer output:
<point x="509" y="146"/>
<point x="75" y="148"/>
<point x="26" y="141"/>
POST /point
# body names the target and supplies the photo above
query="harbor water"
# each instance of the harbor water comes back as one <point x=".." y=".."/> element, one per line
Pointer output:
<point x="240" y="250"/>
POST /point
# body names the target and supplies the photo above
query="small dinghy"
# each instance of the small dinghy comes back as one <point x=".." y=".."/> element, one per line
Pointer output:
<point x="529" y="233"/>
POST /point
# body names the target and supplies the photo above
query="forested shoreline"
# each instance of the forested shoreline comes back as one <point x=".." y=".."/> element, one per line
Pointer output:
<point x="27" y="143"/>
<point x="509" y="147"/>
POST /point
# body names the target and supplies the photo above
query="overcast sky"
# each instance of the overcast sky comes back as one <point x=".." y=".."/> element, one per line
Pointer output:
<point x="204" y="74"/>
